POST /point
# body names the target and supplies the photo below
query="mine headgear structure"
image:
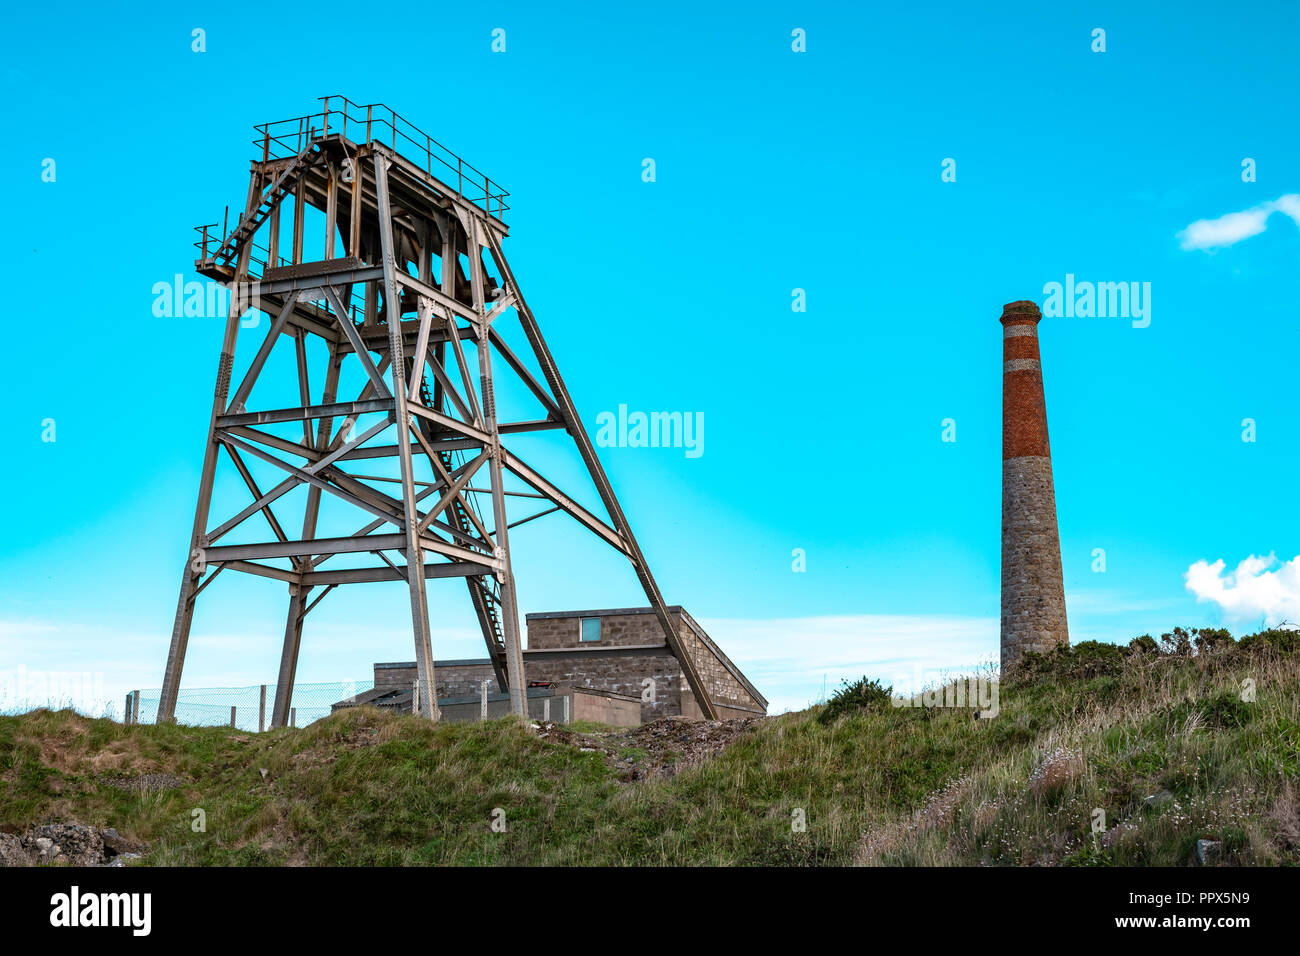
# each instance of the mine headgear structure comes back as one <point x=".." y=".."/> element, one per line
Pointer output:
<point x="376" y="253"/>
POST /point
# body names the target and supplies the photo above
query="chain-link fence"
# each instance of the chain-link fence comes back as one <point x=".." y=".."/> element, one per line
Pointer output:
<point x="247" y="708"/>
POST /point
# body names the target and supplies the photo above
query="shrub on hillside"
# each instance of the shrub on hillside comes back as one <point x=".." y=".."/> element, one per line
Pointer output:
<point x="1144" y="645"/>
<point x="1082" y="661"/>
<point x="1282" y="639"/>
<point x="1177" y="643"/>
<point x="1210" y="639"/>
<point x="852" y="697"/>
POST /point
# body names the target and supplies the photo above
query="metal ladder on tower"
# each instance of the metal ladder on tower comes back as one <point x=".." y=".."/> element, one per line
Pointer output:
<point x="269" y="199"/>
<point x="480" y="589"/>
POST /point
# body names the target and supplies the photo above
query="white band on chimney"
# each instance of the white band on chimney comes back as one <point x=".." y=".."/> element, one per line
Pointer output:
<point x="1021" y="365"/>
<point x="1014" y="331"/>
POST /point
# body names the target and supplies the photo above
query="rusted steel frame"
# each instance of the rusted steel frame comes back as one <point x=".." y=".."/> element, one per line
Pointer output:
<point x="449" y="496"/>
<point x="373" y="526"/>
<point x="541" y="425"/>
<point x="421" y="353"/>
<point x="350" y="330"/>
<point x="206" y="581"/>
<point x="341" y="450"/>
<point x="257" y="493"/>
<point x="507" y="301"/>
<point x="603" y="487"/>
<point x="522" y="371"/>
<point x="540" y="514"/>
<point x="422" y="631"/>
<point x="282" y="488"/>
<point x="304" y="380"/>
<point x="453" y="424"/>
<point x="189" y="577"/>
<point x="449" y="388"/>
<point x="535" y="480"/>
<point x="307" y="548"/>
<point x="509" y="614"/>
<point x="429" y="543"/>
<point x="332" y="410"/>
<point x="475" y="408"/>
<point x="320" y="597"/>
<point x="402" y="572"/>
<point x="314" y="480"/>
<point x="442" y="569"/>
<point x="446" y="477"/>
<point x="264" y="352"/>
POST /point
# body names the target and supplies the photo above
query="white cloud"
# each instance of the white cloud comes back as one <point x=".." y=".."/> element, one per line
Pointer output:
<point x="1259" y="587"/>
<point x="1236" y="226"/>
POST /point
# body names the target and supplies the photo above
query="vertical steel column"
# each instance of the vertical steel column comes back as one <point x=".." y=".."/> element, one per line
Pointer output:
<point x="410" y="520"/>
<point x="297" y="592"/>
<point x="194" y="562"/>
<point x="505" y="576"/>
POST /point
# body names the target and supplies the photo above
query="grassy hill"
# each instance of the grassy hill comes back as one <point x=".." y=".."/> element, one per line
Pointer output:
<point x="1158" y="737"/>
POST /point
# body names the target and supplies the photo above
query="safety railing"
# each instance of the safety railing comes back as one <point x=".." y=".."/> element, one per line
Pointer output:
<point x="377" y="123"/>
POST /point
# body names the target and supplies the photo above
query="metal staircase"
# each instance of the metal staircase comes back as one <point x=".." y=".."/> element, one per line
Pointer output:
<point x="271" y="197"/>
<point x="483" y="588"/>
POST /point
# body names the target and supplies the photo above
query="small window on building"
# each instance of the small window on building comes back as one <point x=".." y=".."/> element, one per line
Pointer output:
<point x="590" y="629"/>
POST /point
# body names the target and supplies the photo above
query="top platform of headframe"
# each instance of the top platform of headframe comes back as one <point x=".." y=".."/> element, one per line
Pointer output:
<point x="377" y="123"/>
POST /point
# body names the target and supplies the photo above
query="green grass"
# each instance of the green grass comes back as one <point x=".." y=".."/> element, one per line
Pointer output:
<point x="875" y="785"/>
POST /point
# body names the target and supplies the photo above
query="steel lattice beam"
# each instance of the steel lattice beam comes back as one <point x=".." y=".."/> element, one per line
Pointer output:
<point x="383" y="311"/>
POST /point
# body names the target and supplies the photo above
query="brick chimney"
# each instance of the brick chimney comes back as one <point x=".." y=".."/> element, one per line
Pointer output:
<point x="1033" y="595"/>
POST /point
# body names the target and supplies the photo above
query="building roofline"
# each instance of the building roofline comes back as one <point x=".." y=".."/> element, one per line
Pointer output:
<point x="596" y="612"/>
<point x="721" y="656"/>
<point x="464" y="662"/>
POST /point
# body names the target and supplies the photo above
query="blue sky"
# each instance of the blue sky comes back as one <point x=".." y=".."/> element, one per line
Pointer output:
<point x="775" y="170"/>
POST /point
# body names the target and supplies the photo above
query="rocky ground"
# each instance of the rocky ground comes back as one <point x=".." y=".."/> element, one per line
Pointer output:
<point x="659" y="749"/>
<point x="68" y="843"/>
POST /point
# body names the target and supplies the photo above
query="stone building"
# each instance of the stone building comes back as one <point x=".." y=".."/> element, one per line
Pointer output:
<point x="1033" y="592"/>
<point x="612" y="664"/>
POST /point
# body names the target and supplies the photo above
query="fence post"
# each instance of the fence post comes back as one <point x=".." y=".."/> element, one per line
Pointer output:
<point x="566" y="708"/>
<point x="126" y="712"/>
<point x="546" y="709"/>
<point x="232" y="716"/>
<point x="482" y="701"/>
<point x="261" y="711"/>
<point x="135" y="707"/>
<point x="293" y="716"/>
<point x="415" y="698"/>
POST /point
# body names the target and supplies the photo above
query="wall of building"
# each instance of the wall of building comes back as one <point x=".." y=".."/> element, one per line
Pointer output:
<point x="717" y="672"/>
<point x="616" y="671"/>
<point x="542" y="705"/>
<point x="639" y="628"/>
<point x="457" y="678"/>
<point x="619" y="627"/>
<point x="631" y="650"/>
<point x="616" y="710"/>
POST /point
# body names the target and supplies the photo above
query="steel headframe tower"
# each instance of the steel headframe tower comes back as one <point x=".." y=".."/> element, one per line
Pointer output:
<point x="408" y="310"/>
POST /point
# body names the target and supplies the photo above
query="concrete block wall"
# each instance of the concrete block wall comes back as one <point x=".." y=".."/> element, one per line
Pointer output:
<point x="636" y="627"/>
<point x="617" y="710"/>
<point x="711" y="664"/>
<point x="457" y="678"/>
<point x="619" y="627"/>
<point x="631" y="649"/>
<point x="618" y="672"/>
